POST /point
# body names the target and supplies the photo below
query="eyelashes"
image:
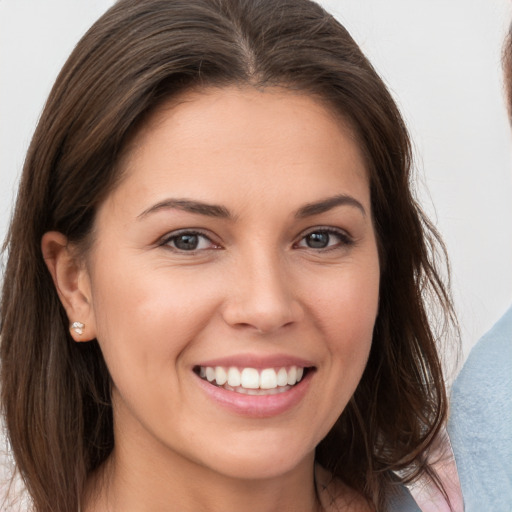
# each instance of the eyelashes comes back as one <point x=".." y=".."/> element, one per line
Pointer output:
<point x="325" y="238"/>
<point x="318" y="239"/>
<point x="187" y="240"/>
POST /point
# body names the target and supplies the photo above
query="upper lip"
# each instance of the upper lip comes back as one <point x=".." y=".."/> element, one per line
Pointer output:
<point x="257" y="361"/>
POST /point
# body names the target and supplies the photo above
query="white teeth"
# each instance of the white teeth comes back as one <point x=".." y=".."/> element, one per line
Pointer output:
<point x="250" y="378"/>
<point x="292" y="375"/>
<point x="210" y="374"/>
<point x="221" y="376"/>
<point x="268" y="379"/>
<point x="234" y="377"/>
<point x="282" y="377"/>
<point x="252" y="381"/>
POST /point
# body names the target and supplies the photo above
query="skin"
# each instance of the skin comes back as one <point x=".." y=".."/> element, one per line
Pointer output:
<point x="253" y="287"/>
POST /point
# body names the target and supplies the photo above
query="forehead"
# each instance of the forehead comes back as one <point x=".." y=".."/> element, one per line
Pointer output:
<point x="244" y="137"/>
<point x="247" y="107"/>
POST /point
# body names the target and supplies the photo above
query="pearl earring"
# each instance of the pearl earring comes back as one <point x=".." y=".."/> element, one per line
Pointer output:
<point x="78" y="327"/>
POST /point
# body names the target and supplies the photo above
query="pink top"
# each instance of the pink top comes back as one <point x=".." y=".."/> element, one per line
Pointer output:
<point x="428" y="497"/>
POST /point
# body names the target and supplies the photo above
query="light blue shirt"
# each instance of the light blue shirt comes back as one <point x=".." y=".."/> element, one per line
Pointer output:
<point x="480" y="424"/>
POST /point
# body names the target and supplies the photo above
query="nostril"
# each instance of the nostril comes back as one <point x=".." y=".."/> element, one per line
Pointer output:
<point x="262" y="300"/>
<point x="260" y="320"/>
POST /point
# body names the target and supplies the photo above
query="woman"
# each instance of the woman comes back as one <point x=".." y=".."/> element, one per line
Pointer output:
<point x="214" y="293"/>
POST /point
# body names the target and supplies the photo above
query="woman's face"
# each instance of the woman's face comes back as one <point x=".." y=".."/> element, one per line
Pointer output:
<point x="237" y="253"/>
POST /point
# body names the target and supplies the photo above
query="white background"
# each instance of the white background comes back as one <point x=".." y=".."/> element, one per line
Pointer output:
<point x="441" y="60"/>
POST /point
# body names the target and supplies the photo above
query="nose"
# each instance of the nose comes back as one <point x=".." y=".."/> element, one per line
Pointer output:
<point x="263" y="296"/>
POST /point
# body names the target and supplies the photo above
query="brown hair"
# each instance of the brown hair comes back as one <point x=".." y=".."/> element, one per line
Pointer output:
<point x="56" y="393"/>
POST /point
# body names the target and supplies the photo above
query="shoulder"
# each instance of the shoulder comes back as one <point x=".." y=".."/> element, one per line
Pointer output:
<point x="335" y="496"/>
<point x="493" y="353"/>
<point x="484" y="385"/>
<point x="481" y="395"/>
<point x="480" y="424"/>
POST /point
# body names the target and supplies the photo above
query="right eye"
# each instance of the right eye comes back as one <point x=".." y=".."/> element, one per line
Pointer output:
<point x="189" y="241"/>
<point x="324" y="238"/>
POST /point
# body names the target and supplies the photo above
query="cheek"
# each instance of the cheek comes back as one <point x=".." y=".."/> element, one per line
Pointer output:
<point x="146" y="317"/>
<point x="345" y="312"/>
<point x="347" y="305"/>
<point x="346" y="309"/>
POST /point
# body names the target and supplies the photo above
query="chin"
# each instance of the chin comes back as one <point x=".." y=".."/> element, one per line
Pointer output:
<point x="260" y="461"/>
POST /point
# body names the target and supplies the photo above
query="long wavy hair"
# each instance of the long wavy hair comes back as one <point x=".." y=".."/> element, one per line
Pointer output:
<point x="55" y="392"/>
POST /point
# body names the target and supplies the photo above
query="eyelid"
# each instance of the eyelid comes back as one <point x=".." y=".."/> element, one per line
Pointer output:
<point x="346" y="238"/>
<point x="167" y="239"/>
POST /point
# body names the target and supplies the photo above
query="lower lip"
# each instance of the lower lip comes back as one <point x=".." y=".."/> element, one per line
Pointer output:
<point x="257" y="406"/>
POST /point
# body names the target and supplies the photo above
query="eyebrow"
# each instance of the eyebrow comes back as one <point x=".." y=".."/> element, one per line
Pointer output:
<point x="187" y="205"/>
<point x="328" y="204"/>
<point x="213" y="210"/>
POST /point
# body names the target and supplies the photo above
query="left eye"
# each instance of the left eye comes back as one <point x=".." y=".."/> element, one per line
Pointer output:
<point x="189" y="241"/>
<point x="323" y="239"/>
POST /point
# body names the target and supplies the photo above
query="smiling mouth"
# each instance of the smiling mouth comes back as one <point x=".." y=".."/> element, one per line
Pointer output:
<point x="250" y="381"/>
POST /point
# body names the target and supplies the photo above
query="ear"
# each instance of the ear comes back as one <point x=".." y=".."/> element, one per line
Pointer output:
<point x="72" y="283"/>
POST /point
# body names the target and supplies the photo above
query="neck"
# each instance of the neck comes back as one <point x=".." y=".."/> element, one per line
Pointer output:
<point x="162" y="483"/>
